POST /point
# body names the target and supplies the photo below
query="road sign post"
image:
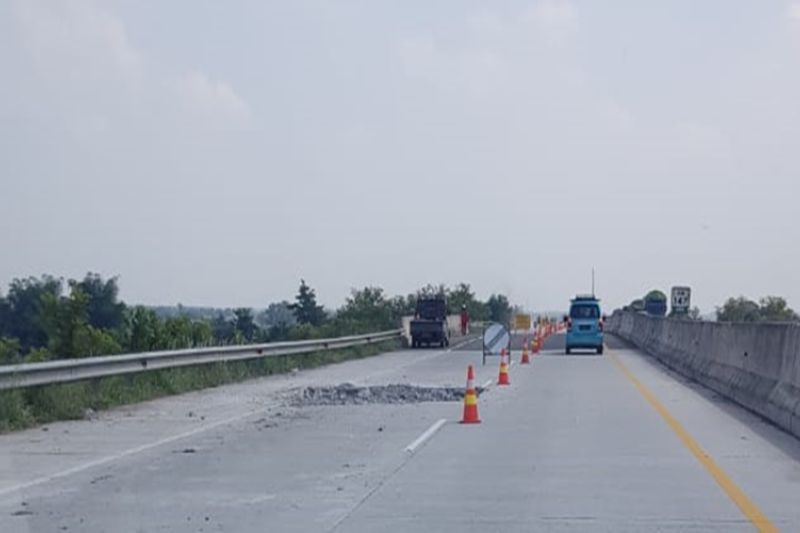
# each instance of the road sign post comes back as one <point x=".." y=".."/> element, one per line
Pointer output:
<point x="522" y="322"/>
<point x="681" y="300"/>
<point x="495" y="339"/>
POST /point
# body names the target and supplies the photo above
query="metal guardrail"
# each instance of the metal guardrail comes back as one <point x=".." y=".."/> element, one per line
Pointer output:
<point x="66" y="370"/>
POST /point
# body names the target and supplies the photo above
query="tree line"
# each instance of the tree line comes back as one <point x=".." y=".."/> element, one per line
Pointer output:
<point x="740" y="309"/>
<point x="43" y="318"/>
<point x="767" y="309"/>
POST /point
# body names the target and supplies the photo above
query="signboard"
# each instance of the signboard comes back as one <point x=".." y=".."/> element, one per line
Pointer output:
<point x="681" y="300"/>
<point x="522" y="322"/>
<point x="495" y="338"/>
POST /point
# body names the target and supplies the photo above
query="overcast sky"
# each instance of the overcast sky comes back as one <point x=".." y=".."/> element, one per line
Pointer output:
<point x="216" y="152"/>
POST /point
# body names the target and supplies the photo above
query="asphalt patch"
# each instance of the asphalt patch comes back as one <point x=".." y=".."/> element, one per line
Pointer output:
<point x="349" y="394"/>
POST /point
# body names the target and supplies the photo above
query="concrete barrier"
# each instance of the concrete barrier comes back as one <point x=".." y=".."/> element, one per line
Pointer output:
<point x="755" y="365"/>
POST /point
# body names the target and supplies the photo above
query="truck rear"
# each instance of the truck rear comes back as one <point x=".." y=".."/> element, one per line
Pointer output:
<point x="429" y="325"/>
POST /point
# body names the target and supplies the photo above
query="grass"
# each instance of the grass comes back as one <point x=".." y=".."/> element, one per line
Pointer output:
<point x="23" y="408"/>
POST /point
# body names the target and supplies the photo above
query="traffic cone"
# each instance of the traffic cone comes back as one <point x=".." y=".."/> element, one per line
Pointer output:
<point x="470" y="400"/>
<point x="537" y="344"/>
<point x="502" y="379"/>
<point x="525" y="360"/>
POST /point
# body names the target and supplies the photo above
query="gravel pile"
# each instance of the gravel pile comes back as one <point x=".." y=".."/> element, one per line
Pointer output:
<point x="349" y="394"/>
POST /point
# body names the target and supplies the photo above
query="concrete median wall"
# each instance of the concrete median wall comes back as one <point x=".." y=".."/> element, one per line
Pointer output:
<point x="755" y="365"/>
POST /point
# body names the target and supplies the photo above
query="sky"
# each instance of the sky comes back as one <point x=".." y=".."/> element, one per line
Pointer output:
<point x="215" y="153"/>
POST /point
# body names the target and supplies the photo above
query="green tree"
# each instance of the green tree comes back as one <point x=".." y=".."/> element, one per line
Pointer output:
<point x="403" y="305"/>
<point x="244" y="323"/>
<point x="105" y="311"/>
<point x="460" y="296"/>
<point x="499" y="310"/>
<point x="24" y="308"/>
<point x="768" y="309"/>
<point x="9" y="351"/>
<point x="275" y="321"/>
<point x="177" y="333"/>
<point x="276" y="314"/>
<point x="143" y="331"/>
<point x="432" y="290"/>
<point x="5" y="317"/>
<point x="304" y="331"/>
<point x="223" y="329"/>
<point x="738" y="310"/>
<point x="38" y="355"/>
<point x="63" y="320"/>
<point x="90" y="341"/>
<point x="69" y="334"/>
<point x="367" y="310"/>
<point x="202" y="334"/>
<point x="775" y="309"/>
<point x="305" y="308"/>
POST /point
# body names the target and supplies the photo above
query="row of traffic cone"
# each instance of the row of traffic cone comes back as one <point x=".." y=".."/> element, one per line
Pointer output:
<point x="471" y="395"/>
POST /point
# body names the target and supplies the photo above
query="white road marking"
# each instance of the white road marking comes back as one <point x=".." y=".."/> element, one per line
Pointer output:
<point x="132" y="451"/>
<point x="255" y="500"/>
<point x="487" y="383"/>
<point x="411" y="448"/>
<point x="459" y="345"/>
<point x="167" y="440"/>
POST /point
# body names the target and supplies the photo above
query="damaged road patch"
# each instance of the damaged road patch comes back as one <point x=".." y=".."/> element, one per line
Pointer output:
<point x="349" y="394"/>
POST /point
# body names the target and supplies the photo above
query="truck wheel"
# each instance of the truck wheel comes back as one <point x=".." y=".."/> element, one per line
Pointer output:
<point x="568" y="350"/>
<point x="600" y="350"/>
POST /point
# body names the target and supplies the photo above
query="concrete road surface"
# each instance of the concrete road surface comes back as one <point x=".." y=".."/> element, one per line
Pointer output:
<point x="576" y="443"/>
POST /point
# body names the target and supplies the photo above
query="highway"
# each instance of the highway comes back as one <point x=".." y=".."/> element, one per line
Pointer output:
<point x="575" y="443"/>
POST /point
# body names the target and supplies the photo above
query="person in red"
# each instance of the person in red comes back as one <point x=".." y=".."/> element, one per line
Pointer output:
<point x="464" y="320"/>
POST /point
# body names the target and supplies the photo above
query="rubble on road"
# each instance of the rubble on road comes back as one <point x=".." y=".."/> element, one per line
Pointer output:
<point x="349" y="394"/>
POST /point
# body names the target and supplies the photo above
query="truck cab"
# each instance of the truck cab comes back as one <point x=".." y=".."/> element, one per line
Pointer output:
<point x="584" y="324"/>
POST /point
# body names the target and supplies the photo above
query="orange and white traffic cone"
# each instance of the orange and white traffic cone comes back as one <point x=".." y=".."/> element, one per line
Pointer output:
<point x="502" y="379"/>
<point x="525" y="360"/>
<point x="470" y="400"/>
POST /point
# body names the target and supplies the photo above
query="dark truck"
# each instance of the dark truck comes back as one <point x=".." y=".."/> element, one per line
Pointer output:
<point x="429" y="325"/>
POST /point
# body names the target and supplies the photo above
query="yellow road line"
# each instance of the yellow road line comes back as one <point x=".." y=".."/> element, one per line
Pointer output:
<point x="748" y="508"/>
